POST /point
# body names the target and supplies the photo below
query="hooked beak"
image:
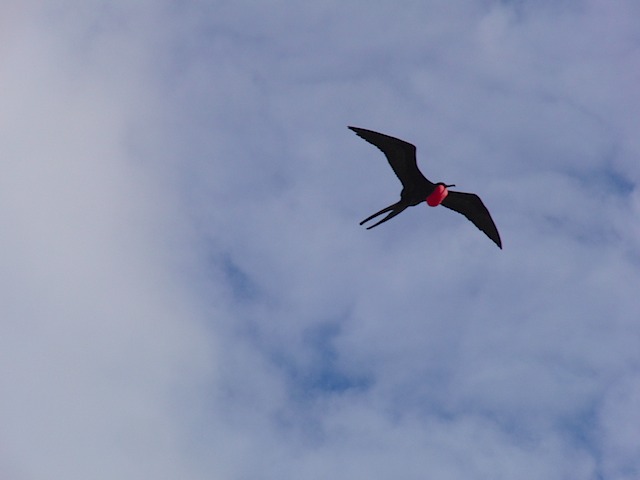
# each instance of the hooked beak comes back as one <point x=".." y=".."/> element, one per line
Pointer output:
<point x="447" y="186"/>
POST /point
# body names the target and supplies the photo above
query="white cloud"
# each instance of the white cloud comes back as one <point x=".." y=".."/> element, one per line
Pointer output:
<point x="98" y="335"/>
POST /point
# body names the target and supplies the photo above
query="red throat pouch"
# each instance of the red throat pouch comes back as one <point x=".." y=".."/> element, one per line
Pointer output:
<point x="436" y="197"/>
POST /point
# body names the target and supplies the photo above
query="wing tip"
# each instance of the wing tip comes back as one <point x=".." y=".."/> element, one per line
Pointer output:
<point x="496" y="235"/>
<point x="493" y="236"/>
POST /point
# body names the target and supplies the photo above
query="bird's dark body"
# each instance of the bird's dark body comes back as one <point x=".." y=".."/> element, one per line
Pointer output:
<point x="416" y="187"/>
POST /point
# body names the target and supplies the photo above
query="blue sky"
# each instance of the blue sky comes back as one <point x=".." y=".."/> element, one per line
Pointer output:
<point x="186" y="291"/>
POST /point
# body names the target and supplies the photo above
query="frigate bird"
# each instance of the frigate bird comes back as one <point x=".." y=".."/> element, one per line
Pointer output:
<point x="416" y="188"/>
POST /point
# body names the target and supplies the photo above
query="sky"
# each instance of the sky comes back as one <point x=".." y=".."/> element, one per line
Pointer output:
<point x="185" y="289"/>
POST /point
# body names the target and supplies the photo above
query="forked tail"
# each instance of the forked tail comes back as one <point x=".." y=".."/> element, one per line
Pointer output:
<point x="395" y="209"/>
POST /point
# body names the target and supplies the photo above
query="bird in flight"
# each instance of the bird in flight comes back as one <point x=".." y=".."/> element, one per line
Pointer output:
<point x="417" y="189"/>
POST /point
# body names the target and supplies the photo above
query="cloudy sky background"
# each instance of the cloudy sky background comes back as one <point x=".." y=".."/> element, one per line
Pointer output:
<point x="186" y="292"/>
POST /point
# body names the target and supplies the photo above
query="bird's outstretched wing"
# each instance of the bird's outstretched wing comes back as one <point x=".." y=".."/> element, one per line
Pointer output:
<point x="470" y="205"/>
<point x="400" y="154"/>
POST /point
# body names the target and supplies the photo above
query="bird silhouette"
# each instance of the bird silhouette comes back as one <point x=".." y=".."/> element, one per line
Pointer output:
<point x="416" y="188"/>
